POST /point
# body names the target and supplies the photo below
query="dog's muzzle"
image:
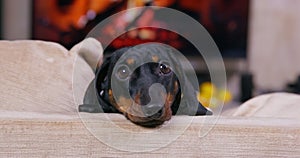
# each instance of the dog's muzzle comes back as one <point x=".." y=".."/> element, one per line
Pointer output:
<point x="154" y="107"/>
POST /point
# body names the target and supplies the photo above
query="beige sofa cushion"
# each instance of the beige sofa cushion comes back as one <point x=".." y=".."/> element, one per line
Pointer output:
<point x="37" y="77"/>
<point x="31" y="74"/>
<point x="274" y="105"/>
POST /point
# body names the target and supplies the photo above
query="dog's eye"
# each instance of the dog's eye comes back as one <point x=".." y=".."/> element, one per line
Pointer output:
<point x="123" y="72"/>
<point x="164" y="68"/>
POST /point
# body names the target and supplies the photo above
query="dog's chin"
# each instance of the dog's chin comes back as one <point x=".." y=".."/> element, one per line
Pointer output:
<point x="148" y="122"/>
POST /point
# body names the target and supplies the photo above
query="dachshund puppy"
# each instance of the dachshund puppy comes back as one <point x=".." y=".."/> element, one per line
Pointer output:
<point x="147" y="86"/>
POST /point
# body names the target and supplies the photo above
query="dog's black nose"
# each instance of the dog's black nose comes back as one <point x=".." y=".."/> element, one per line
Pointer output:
<point x="152" y="111"/>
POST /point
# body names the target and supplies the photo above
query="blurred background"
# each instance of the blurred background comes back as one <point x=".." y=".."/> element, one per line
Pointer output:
<point x="258" y="39"/>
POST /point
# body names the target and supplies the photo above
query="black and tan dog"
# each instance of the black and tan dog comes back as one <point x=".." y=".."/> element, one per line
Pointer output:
<point x="155" y="91"/>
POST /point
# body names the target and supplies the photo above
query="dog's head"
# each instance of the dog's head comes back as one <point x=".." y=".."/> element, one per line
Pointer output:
<point x="141" y="84"/>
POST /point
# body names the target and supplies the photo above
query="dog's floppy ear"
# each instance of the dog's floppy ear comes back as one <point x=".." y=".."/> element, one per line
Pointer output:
<point x="96" y="96"/>
<point x="102" y="86"/>
<point x="187" y="107"/>
<point x="186" y="102"/>
<point x="103" y="79"/>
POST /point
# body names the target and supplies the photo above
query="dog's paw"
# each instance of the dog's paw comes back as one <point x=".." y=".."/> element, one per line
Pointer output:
<point x="89" y="108"/>
<point x="203" y="111"/>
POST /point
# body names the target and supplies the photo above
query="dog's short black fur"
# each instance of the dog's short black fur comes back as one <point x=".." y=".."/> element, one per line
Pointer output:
<point x="137" y="108"/>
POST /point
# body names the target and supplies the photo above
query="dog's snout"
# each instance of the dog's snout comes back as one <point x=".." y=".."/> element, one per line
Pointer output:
<point x="148" y="90"/>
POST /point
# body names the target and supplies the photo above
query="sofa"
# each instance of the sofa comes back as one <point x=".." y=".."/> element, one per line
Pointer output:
<point x="42" y="84"/>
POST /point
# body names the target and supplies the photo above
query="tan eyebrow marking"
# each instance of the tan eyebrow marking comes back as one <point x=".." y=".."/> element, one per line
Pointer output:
<point x="130" y="61"/>
<point x="155" y="58"/>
